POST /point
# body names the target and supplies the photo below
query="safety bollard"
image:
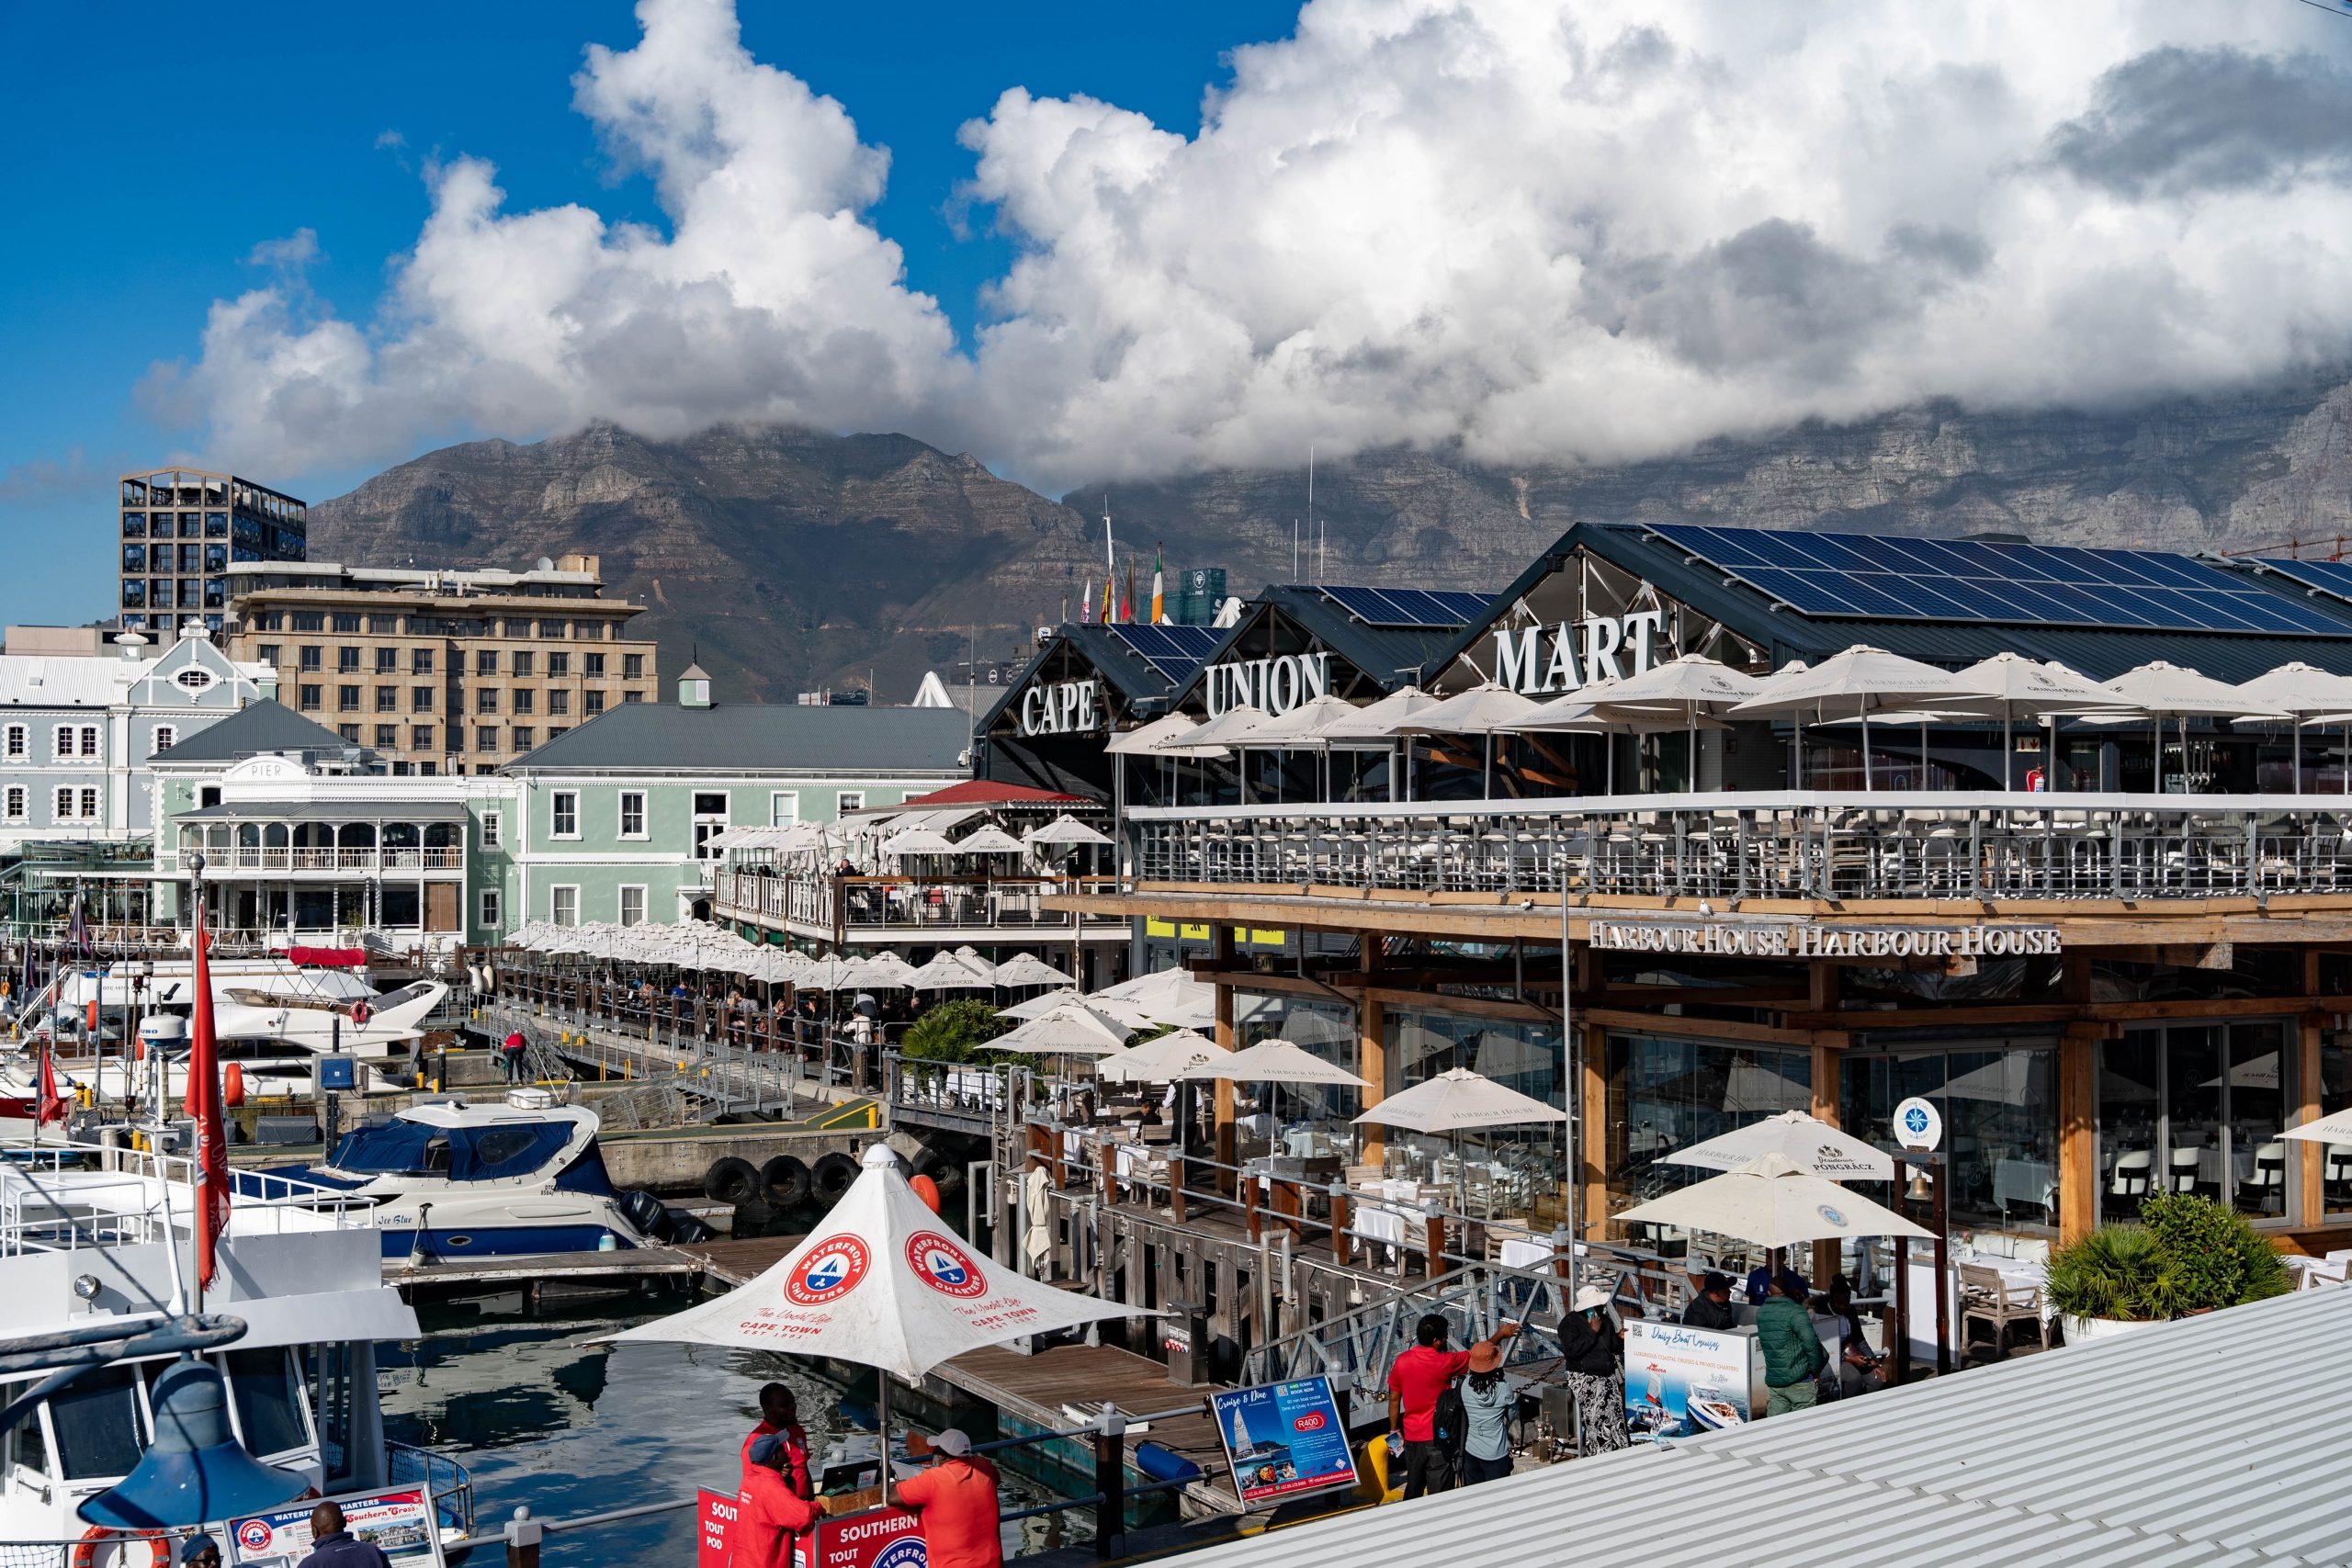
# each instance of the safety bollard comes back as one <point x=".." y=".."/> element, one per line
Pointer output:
<point x="522" y="1534"/>
<point x="1110" y="1485"/>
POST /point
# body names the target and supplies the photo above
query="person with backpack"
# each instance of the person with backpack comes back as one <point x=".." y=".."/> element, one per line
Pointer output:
<point x="1418" y="1381"/>
<point x="1486" y="1400"/>
<point x="1792" y="1352"/>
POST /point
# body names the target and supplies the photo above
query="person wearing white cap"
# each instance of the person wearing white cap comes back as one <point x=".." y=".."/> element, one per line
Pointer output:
<point x="1592" y="1352"/>
<point x="957" y="1497"/>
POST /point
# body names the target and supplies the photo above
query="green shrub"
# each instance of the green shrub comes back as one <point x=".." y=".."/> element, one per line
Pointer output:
<point x="2117" y="1271"/>
<point x="2221" y="1259"/>
<point x="955" y="1032"/>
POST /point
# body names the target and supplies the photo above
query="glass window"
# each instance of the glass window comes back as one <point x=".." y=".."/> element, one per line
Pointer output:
<point x="485" y="738"/>
<point x="420" y="661"/>
<point x="563" y="905"/>
<point x="485" y="661"/>
<point x="309" y="620"/>
<point x="559" y="664"/>
<point x="18" y="742"/>
<point x="1512" y="1169"/>
<point x="632" y="814"/>
<point x="1675" y="1092"/>
<point x="564" y="814"/>
<point x="485" y="699"/>
<point x="395" y="1148"/>
<point x="559" y="703"/>
<point x="491" y="825"/>
<point x="592" y="704"/>
<point x="2196" y="1107"/>
<point x="525" y="738"/>
<point x="524" y="662"/>
<point x="350" y="732"/>
<point x="387" y="735"/>
<point x="134" y="558"/>
<point x="388" y="660"/>
<point x="309" y="656"/>
<point x="96" y="1422"/>
<point x="166" y="737"/>
<point x="632" y="905"/>
<point x="784" y="808"/>
<point x="134" y="595"/>
<point x="420" y="738"/>
<point x="346" y="699"/>
<point x="270" y="1416"/>
<point x="388" y="699"/>
<point x="632" y="667"/>
<point x="383" y="625"/>
<point x="346" y="621"/>
<point x="849" y="800"/>
<point x="592" y="666"/>
<point x="420" y="699"/>
<point x="216" y="524"/>
<point x="555" y="628"/>
<point x="267" y="653"/>
<point x="346" y="660"/>
<point x="216" y="559"/>
<point x="312" y="698"/>
<point x="491" y="912"/>
<point x="2000" y="1111"/>
<point x="134" y="524"/>
<point x="525" y="700"/>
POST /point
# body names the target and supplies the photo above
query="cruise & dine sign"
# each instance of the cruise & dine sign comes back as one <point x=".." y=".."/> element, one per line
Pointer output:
<point x="1805" y="938"/>
<point x="1061" y="708"/>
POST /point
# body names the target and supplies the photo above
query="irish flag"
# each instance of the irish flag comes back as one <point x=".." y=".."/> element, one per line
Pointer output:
<point x="1158" y="585"/>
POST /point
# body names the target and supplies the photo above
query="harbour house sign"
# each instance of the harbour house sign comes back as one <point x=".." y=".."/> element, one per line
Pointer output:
<point x="1798" y="939"/>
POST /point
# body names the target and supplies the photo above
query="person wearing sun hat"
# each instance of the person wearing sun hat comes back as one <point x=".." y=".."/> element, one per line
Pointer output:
<point x="957" y="1500"/>
<point x="1592" y="1352"/>
<point x="1486" y="1401"/>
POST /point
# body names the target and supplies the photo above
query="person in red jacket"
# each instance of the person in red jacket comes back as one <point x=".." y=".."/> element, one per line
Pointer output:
<point x="780" y="1417"/>
<point x="768" y="1515"/>
<point x="956" y="1499"/>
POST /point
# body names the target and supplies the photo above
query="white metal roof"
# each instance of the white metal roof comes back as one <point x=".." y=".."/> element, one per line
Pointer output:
<point x="2216" y="1440"/>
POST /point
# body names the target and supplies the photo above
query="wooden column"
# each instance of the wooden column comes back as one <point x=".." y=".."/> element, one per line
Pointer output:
<point x="1221" y="950"/>
<point x="2311" y="1204"/>
<point x="1595" y="1153"/>
<point x="1372" y="1065"/>
<point x="2078" y="1049"/>
<point x="1828" y="1062"/>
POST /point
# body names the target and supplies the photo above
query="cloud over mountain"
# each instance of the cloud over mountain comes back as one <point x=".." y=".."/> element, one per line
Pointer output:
<point x="1593" y="232"/>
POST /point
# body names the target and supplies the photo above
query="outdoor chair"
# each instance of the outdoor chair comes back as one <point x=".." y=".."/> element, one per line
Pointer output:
<point x="2336" y="1177"/>
<point x="1989" y="1297"/>
<point x="2133" y="1180"/>
<point x="2265" y="1191"/>
<point x="2182" y="1174"/>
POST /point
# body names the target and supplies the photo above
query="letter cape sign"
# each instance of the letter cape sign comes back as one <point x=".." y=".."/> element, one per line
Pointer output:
<point x="1067" y="707"/>
<point x="1270" y="685"/>
<point x="1766" y="940"/>
<point x="1533" y="660"/>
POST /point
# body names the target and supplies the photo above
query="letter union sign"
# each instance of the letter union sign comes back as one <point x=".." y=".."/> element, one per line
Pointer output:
<point x="1271" y="685"/>
<point x="1066" y="707"/>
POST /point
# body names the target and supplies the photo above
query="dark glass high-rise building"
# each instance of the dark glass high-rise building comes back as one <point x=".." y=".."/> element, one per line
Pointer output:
<point x="180" y="530"/>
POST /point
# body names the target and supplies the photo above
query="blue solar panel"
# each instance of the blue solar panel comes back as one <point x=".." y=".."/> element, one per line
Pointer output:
<point x="1407" y="606"/>
<point x="1175" y="651"/>
<point x="1981" y="580"/>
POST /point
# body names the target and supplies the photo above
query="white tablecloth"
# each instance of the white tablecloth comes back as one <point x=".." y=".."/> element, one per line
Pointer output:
<point x="1528" y="1253"/>
<point x="1374" y="1223"/>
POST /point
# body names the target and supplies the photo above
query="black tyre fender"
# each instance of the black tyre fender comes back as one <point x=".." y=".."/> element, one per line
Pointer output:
<point x="833" y="1177"/>
<point x="787" y="1182"/>
<point x="946" y="1172"/>
<point x="731" y="1180"/>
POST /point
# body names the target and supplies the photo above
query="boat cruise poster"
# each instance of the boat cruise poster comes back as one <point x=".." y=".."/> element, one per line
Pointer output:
<point x="1681" y="1381"/>
<point x="1283" y="1439"/>
<point x="399" y="1524"/>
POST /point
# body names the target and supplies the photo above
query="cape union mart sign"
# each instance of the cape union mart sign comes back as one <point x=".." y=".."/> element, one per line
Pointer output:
<point x="1533" y="661"/>
<point x="1067" y="707"/>
<point x="1270" y="685"/>
<point x="1799" y="940"/>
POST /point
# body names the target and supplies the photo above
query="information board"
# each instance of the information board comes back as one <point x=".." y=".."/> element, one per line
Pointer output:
<point x="1681" y="1381"/>
<point x="1283" y="1439"/>
<point x="399" y="1523"/>
<point x="879" y="1537"/>
<point x="713" y="1516"/>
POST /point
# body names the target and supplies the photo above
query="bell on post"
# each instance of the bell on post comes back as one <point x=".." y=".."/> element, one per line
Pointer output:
<point x="195" y="1472"/>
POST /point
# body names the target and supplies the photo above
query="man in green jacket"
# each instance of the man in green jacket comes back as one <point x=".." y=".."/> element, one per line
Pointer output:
<point x="1792" y="1352"/>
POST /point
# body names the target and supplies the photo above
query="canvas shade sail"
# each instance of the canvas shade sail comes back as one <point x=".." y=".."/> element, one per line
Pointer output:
<point x="1806" y="1142"/>
<point x="881" y="1282"/>
<point x="1772" y="1202"/>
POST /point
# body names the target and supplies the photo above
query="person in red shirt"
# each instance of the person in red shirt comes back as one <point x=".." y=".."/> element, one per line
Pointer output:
<point x="1416" y="1380"/>
<point x="780" y="1417"/>
<point x="956" y="1498"/>
<point x="767" y="1513"/>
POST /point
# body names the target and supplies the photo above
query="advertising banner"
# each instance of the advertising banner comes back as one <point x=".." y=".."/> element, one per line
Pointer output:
<point x="713" y="1514"/>
<point x="879" y="1537"/>
<point x="1680" y="1381"/>
<point x="399" y="1524"/>
<point x="1283" y="1439"/>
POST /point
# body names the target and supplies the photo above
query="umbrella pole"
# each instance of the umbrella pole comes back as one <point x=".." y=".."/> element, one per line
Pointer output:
<point x="1866" y="750"/>
<point x="2008" y="750"/>
<point x="882" y="1416"/>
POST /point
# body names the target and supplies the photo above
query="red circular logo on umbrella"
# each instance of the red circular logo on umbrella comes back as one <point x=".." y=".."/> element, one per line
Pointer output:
<point x="830" y="1271"/>
<point x="943" y="1266"/>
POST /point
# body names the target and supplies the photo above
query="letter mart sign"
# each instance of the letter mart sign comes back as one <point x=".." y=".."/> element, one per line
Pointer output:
<point x="1535" y="660"/>
<point x="1804" y="939"/>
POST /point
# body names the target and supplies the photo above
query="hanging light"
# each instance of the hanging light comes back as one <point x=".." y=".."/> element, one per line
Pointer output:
<point x="194" y="1472"/>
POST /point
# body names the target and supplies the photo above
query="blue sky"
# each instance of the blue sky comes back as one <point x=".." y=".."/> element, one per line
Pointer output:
<point x="159" y="144"/>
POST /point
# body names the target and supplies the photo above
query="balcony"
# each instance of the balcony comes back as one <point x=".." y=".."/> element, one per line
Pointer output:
<point x="1803" y="845"/>
<point x="880" y="908"/>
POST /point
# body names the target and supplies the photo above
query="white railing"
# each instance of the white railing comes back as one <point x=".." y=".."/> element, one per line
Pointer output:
<point x="894" y="905"/>
<point x="370" y="862"/>
<point x="1759" y="845"/>
<point x="75" y="1194"/>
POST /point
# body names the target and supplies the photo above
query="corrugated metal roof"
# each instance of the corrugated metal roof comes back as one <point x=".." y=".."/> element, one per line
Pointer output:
<point x="2213" y="1440"/>
<point x="252" y="730"/>
<point x="758" y="738"/>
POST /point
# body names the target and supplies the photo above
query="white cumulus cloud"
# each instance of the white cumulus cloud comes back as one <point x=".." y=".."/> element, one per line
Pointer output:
<point x="1573" y="232"/>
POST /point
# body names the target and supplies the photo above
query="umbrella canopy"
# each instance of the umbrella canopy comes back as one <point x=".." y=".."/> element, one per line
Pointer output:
<point x="1384" y="719"/>
<point x="1234" y="726"/>
<point x="988" y="840"/>
<point x="1311" y="721"/>
<point x="1692" y="683"/>
<point x="1481" y="710"/>
<point x="2334" y="1128"/>
<point x="1811" y="1145"/>
<point x="1162" y="1060"/>
<point x="1854" y="684"/>
<point x="2160" y="690"/>
<point x="1066" y="829"/>
<point x="1169" y="995"/>
<point x="1070" y="1028"/>
<point x="1038" y="1006"/>
<point x="955" y="972"/>
<point x="1168" y="737"/>
<point x="887" y="970"/>
<point x="1028" y="969"/>
<point x="918" y="841"/>
<point x="1772" y="1201"/>
<point x="1459" y="1100"/>
<point x="829" y="975"/>
<point x="880" y="1282"/>
<point x="1274" y="1061"/>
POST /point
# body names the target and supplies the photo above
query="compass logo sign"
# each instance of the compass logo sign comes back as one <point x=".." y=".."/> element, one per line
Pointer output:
<point x="1834" y="1216"/>
<point x="255" y="1535"/>
<point x="830" y="1272"/>
<point x="1914" y="1121"/>
<point x="943" y="1266"/>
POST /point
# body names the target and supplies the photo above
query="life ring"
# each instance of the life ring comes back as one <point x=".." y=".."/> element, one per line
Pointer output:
<point x="361" y="1013"/>
<point x="86" y="1550"/>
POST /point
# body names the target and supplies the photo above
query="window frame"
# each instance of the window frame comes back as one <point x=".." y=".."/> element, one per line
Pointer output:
<point x="620" y="903"/>
<point x="490" y="908"/>
<point x="555" y="904"/>
<point x="493" y="825"/>
<point x="563" y="803"/>
<point x="788" y="800"/>
<point x="644" y="815"/>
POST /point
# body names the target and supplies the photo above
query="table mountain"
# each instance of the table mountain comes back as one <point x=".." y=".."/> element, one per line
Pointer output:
<point x="790" y="559"/>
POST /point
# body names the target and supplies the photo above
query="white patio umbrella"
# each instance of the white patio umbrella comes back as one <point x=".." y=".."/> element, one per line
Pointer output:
<point x="1071" y="1029"/>
<point x="1168" y="996"/>
<point x="1595" y="710"/>
<point x="1481" y="711"/>
<point x="1307" y="726"/>
<point x="988" y="840"/>
<point x="1805" y="1141"/>
<point x="2158" y="691"/>
<point x="2308" y="696"/>
<point x="1271" y="1062"/>
<point x="1160" y="1060"/>
<point x="2009" y="685"/>
<point x="1457" y="1101"/>
<point x="829" y="974"/>
<point x="2336" y="1127"/>
<point x="1169" y="735"/>
<point x="1772" y="1201"/>
<point x="918" y="841"/>
<point x="1064" y="829"/>
<point x="887" y="970"/>
<point x="1042" y="1003"/>
<point x="954" y="972"/>
<point x="883" y="1283"/>
<point x="1853" y="684"/>
<point x="1028" y="969"/>
<point x="1382" y="720"/>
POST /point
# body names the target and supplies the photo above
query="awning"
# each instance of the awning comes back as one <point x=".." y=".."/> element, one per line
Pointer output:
<point x="328" y="957"/>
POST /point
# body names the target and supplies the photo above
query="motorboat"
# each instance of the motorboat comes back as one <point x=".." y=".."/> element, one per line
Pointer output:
<point x="451" y="1180"/>
<point x="94" y="1238"/>
<point x="1709" y="1411"/>
<point x="318" y="1010"/>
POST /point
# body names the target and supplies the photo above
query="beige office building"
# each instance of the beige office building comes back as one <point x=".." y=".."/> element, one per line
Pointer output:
<point x="441" y="671"/>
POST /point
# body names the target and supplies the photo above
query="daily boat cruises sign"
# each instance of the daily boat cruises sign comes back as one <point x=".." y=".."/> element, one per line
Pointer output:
<point x="1806" y="938"/>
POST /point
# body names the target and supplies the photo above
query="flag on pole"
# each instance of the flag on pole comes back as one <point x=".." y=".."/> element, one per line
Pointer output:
<point x="1158" y="585"/>
<point x="1086" y="605"/>
<point x="203" y="1104"/>
<point x="53" y="1105"/>
<point x="1108" y="587"/>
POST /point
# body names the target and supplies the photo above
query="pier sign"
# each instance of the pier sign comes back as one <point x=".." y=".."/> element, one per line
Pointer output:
<point x="1283" y="1439"/>
<point x="715" y="1513"/>
<point x="879" y="1537"/>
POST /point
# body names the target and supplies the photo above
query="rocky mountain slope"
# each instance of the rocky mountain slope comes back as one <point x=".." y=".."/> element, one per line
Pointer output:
<point x="792" y="559"/>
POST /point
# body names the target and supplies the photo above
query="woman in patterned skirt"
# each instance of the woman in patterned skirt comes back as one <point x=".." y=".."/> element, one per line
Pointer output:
<point x="1593" y="1351"/>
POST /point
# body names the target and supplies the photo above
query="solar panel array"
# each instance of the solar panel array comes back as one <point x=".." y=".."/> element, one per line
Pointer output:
<point x="1975" y="579"/>
<point x="1408" y="606"/>
<point x="2333" y="578"/>
<point x="1175" y="651"/>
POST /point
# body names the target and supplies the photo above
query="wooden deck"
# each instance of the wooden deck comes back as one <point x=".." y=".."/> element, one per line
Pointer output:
<point x="716" y="1265"/>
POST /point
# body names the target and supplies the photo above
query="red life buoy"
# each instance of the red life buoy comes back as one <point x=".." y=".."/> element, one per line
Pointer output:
<point x="361" y="1013"/>
<point x="86" y="1550"/>
<point x="232" y="1085"/>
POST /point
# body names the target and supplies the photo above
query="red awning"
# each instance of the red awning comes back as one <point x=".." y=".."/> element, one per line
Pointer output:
<point x="328" y="957"/>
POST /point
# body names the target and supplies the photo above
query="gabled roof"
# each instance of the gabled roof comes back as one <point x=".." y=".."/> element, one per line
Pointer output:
<point x="764" y="738"/>
<point x="988" y="792"/>
<point x="1389" y="655"/>
<point x="252" y="730"/>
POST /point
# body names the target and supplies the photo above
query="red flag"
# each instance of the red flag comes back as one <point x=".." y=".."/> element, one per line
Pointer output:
<point x="53" y="1105"/>
<point x="203" y="1103"/>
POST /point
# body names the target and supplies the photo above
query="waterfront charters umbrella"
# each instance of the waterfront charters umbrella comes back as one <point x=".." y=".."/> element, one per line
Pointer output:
<point x="1772" y="1202"/>
<point x="1854" y="684"/>
<point x="1805" y="1141"/>
<point x="1160" y="1060"/>
<point x="881" y="1282"/>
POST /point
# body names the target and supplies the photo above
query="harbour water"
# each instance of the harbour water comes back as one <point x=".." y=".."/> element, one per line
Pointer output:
<point x="541" y="1418"/>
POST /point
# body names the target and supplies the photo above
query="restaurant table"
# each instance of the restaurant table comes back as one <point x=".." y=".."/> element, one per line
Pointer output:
<point x="2019" y="1272"/>
<point x="1379" y="1223"/>
<point x="1517" y="1254"/>
<point x="2209" y="1164"/>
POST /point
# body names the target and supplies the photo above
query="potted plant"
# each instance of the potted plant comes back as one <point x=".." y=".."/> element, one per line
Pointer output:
<point x="2218" y="1258"/>
<point x="2111" y="1282"/>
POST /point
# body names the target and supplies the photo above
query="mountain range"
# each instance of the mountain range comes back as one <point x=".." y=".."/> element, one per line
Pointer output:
<point x="789" y="559"/>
